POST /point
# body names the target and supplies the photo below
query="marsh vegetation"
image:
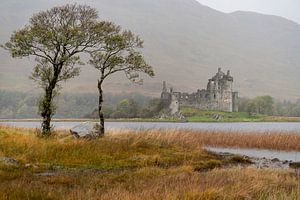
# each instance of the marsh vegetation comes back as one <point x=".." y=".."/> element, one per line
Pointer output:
<point x="140" y="165"/>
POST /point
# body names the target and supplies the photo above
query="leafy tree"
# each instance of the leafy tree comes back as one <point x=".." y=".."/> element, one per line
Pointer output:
<point x="260" y="104"/>
<point x="152" y="108"/>
<point x="251" y="107"/>
<point x="55" y="38"/>
<point x="108" y="109"/>
<point x="127" y="108"/>
<point x="264" y="105"/>
<point x="119" y="54"/>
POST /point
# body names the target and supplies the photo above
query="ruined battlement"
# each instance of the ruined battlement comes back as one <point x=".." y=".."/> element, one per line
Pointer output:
<point x="218" y="95"/>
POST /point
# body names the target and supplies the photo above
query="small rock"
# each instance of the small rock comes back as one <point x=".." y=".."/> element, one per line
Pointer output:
<point x="86" y="130"/>
<point x="216" y="117"/>
<point x="275" y="160"/>
<point x="266" y="165"/>
<point x="28" y="165"/>
<point x="46" y="174"/>
<point x="286" y="162"/>
<point x="295" y="165"/>
<point x="9" y="161"/>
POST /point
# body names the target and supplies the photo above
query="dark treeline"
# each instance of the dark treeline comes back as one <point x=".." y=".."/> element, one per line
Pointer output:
<point x="268" y="106"/>
<point x="130" y="108"/>
<point x="19" y="105"/>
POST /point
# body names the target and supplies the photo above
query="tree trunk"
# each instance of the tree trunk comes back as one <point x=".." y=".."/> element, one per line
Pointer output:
<point x="47" y="111"/>
<point x="100" y="113"/>
<point x="46" y="108"/>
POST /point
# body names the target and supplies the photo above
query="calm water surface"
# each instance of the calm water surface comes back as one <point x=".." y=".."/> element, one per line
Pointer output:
<point x="241" y="126"/>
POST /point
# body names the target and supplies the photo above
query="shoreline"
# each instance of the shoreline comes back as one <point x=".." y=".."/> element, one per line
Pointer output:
<point x="259" y="163"/>
<point x="288" y="120"/>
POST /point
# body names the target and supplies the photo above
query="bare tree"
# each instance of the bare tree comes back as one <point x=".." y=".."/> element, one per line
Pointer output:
<point x="119" y="53"/>
<point x="55" y="38"/>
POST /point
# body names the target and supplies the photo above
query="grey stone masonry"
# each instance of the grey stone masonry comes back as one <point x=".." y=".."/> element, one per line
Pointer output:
<point x="218" y="95"/>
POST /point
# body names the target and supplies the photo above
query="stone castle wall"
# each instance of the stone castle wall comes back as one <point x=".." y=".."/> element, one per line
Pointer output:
<point x="218" y="95"/>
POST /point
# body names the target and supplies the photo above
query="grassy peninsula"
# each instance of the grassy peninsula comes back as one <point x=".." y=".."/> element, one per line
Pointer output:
<point x="191" y="115"/>
<point x="197" y="115"/>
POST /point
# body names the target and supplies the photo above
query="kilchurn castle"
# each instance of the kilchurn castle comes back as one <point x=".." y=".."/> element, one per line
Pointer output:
<point x="218" y="95"/>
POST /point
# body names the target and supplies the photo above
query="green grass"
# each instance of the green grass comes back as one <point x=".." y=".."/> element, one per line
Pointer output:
<point x="192" y="115"/>
<point x="196" y="115"/>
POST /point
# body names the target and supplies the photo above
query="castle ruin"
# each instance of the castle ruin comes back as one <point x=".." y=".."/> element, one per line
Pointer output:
<point x="218" y="95"/>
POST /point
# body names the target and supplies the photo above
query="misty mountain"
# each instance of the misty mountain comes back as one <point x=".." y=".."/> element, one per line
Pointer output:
<point x="185" y="42"/>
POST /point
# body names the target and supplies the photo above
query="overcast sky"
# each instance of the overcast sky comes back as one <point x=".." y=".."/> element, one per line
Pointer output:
<point x="289" y="9"/>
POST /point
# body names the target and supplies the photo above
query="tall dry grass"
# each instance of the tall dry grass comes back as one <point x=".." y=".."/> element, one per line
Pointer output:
<point x="288" y="141"/>
<point x="156" y="183"/>
<point x="112" y="152"/>
<point x="133" y="165"/>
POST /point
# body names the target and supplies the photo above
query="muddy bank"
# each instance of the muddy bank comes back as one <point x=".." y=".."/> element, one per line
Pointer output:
<point x="259" y="163"/>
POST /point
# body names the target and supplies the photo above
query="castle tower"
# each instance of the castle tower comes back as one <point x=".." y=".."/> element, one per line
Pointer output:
<point x="164" y="87"/>
<point x="226" y="101"/>
<point x="210" y="89"/>
<point x="228" y="72"/>
<point x="165" y="96"/>
<point x="235" y="102"/>
<point x="169" y="99"/>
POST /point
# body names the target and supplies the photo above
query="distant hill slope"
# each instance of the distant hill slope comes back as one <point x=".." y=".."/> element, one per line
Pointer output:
<point x="185" y="42"/>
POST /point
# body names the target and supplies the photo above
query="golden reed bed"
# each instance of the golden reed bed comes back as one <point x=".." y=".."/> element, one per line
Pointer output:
<point x="133" y="165"/>
<point x="287" y="141"/>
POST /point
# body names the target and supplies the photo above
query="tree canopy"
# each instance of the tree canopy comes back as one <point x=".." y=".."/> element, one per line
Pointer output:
<point x="119" y="53"/>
